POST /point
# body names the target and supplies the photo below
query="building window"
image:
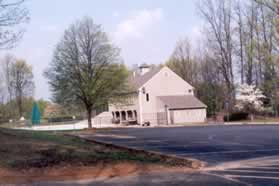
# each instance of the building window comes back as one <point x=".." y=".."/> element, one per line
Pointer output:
<point x="190" y="91"/>
<point x="147" y="97"/>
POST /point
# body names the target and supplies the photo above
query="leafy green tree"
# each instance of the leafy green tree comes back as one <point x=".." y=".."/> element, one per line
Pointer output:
<point x="18" y="81"/>
<point x="21" y="82"/>
<point x="27" y="103"/>
<point x="86" y="68"/>
<point x="42" y="104"/>
<point x="8" y="111"/>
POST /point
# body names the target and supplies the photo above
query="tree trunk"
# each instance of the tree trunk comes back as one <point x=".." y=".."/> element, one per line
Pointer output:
<point x="89" y="117"/>
<point x="20" y="109"/>
<point x="19" y="105"/>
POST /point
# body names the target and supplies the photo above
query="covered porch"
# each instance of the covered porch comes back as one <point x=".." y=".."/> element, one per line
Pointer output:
<point x="125" y="117"/>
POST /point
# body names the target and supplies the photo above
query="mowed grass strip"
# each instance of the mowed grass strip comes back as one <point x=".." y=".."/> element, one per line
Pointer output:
<point x="23" y="150"/>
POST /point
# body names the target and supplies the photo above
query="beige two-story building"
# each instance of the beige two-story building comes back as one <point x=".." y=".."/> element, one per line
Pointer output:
<point x="160" y="97"/>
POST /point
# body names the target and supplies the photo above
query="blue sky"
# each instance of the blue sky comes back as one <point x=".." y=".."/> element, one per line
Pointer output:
<point x="145" y="30"/>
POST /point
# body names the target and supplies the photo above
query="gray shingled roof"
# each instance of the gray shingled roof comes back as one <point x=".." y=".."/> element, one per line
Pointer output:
<point x="139" y="80"/>
<point x="182" y="102"/>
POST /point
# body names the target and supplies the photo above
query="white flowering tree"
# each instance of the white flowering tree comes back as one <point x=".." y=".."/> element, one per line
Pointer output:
<point x="249" y="99"/>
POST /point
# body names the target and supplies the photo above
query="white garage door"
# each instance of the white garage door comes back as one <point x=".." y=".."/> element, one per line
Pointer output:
<point x="188" y="116"/>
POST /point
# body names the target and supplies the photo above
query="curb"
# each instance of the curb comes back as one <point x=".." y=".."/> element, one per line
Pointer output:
<point x="169" y="159"/>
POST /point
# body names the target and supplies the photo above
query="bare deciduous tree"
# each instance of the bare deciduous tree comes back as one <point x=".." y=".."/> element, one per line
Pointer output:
<point x="195" y="66"/>
<point x="7" y="64"/>
<point x="240" y="25"/>
<point x="182" y="61"/>
<point x="218" y="14"/>
<point x="12" y="15"/>
<point x="271" y="4"/>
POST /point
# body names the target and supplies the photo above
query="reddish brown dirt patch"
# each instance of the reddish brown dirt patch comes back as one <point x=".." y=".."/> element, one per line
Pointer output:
<point x="28" y="157"/>
<point x="80" y="172"/>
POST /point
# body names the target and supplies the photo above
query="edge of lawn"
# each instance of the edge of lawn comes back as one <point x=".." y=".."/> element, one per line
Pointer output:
<point x="121" y="154"/>
<point x="171" y="160"/>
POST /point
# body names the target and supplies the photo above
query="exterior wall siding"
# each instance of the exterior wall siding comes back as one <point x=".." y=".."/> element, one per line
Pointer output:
<point x="164" y="83"/>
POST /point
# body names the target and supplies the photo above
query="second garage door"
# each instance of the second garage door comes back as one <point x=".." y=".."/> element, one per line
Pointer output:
<point x="187" y="116"/>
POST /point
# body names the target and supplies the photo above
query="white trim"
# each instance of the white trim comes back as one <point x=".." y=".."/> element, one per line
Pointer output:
<point x="140" y="108"/>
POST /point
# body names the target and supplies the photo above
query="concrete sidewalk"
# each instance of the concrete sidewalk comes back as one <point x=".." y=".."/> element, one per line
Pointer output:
<point x="84" y="125"/>
<point x="76" y="126"/>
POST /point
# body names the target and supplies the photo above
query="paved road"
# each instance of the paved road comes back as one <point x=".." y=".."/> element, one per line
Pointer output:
<point x="235" y="154"/>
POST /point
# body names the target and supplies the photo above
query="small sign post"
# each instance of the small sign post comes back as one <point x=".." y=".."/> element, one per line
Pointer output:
<point x="227" y="110"/>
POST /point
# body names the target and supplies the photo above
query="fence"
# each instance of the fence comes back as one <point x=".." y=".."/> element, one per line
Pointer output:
<point x="102" y="120"/>
<point x="159" y="118"/>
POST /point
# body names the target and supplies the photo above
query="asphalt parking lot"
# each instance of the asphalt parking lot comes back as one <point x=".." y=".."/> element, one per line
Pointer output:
<point x="214" y="145"/>
<point x="242" y="154"/>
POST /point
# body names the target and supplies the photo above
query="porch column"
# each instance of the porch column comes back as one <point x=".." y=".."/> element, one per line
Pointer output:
<point x="120" y="117"/>
<point x="133" y="115"/>
<point x="113" y="115"/>
<point x="167" y="114"/>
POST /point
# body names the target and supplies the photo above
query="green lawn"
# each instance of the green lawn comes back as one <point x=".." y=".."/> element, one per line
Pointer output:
<point x="25" y="149"/>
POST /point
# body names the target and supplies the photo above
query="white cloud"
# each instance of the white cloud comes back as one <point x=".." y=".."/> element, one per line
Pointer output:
<point x="116" y="14"/>
<point x="137" y="25"/>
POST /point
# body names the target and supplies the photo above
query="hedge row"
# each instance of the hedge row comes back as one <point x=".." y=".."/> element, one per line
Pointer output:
<point x="237" y="116"/>
<point x="63" y="119"/>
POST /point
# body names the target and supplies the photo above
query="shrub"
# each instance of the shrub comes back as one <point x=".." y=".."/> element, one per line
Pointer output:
<point x="237" y="116"/>
<point x="3" y="121"/>
<point x="63" y="119"/>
